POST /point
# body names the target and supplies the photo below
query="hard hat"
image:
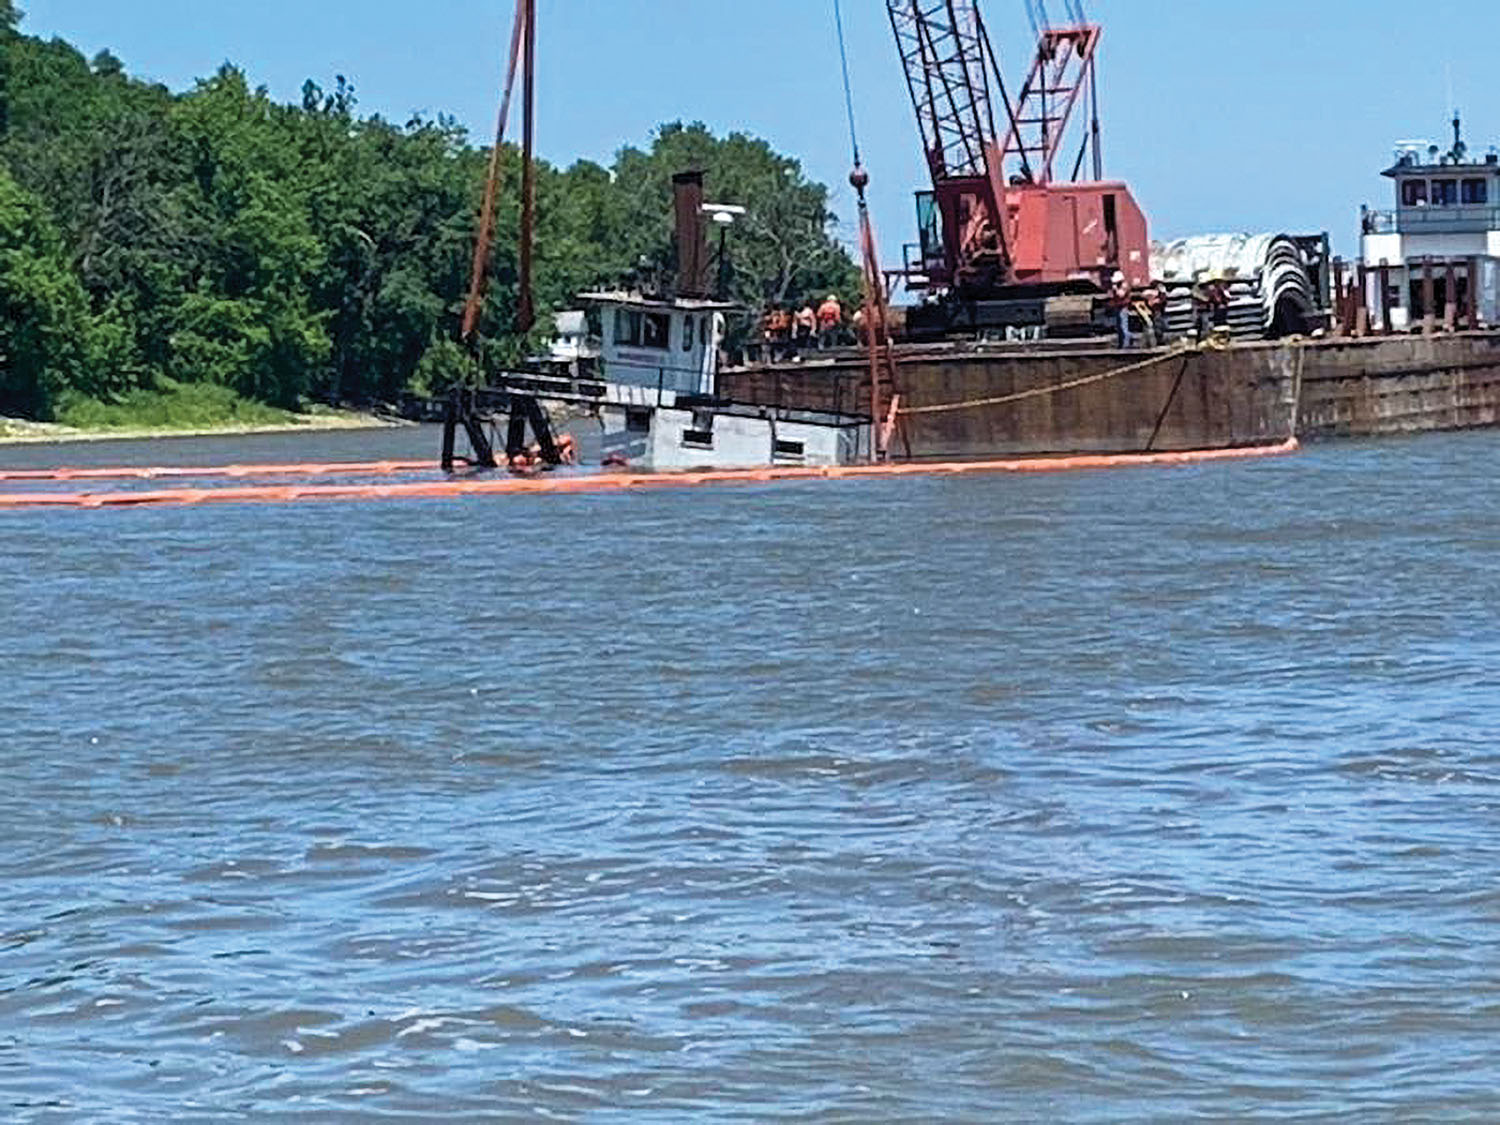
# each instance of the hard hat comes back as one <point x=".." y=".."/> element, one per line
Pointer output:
<point x="1118" y="277"/>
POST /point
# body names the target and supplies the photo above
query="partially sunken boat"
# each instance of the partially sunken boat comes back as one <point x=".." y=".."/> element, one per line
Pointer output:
<point x="641" y="367"/>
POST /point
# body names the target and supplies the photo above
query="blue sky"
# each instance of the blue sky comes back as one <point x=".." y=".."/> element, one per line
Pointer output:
<point x="1223" y="116"/>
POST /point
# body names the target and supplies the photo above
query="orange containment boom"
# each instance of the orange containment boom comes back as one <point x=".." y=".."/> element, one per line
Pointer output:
<point x="223" y="472"/>
<point x="612" y="482"/>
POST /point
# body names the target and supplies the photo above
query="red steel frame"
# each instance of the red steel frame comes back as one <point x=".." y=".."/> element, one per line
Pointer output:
<point x="985" y="185"/>
<point x="1063" y="68"/>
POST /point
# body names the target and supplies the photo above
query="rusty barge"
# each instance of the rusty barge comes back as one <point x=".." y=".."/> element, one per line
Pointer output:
<point x="1033" y="400"/>
<point x="1274" y="337"/>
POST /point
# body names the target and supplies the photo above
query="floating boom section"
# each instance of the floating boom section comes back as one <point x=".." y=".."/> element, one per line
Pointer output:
<point x="1008" y="211"/>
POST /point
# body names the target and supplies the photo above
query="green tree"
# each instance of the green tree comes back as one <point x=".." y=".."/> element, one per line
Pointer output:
<point x="296" y="252"/>
<point x="786" y="247"/>
<point x="43" y="311"/>
<point x="10" y="19"/>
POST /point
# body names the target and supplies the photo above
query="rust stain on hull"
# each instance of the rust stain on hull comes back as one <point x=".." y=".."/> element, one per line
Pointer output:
<point x="1402" y="385"/>
<point x="1247" y="395"/>
<point x="1184" y="400"/>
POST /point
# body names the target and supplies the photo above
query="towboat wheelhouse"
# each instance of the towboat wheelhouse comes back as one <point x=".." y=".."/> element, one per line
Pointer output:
<point x="654" y="363"/>
<point x="1435" y="258"/>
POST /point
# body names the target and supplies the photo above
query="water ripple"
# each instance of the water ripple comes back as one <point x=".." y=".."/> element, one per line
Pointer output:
<point x="1114" y="798"/>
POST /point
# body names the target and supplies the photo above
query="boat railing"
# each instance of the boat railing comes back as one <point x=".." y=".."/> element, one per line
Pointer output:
<point x="1433" y="220"/>
<point x="1447" y="220"/>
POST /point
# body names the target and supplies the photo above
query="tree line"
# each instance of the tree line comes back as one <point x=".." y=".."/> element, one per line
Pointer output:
<point x="298" y="253"/>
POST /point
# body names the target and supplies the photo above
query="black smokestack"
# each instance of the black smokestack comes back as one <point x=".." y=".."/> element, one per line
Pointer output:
<point x="692" y="236"/>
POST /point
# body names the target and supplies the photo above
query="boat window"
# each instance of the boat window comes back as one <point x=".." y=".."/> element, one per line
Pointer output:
<point x="595" y="324"/>
<point x="638" y="421"/>
<point x="688" y="324"/>
<point x="1444" y="193"/>
<point x="1476" y="191"/>
<point x="628" y="328"/>
<point x="657" y="332"/>
<point x="789" y="449"/>
<point x="1414" y="193"/>
<point x="698" y="439"/>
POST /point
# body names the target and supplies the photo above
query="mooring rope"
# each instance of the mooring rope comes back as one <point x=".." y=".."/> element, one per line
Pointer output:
<point x="1297" y="389"/>
<point x="1043" y="392"/>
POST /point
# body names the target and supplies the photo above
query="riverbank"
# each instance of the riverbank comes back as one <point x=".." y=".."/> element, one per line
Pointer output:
<point x="172" y="410"/>
<point x="15" y="431"/>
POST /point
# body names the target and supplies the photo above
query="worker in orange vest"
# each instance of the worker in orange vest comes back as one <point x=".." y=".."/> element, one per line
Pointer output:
<point x="781" y="333"/>
<point x="830" y="321"/>
<point x="777" y="333"/>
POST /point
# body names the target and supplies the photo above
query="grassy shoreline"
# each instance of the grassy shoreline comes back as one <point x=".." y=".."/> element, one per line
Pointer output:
<point x="179" y="410"/>
<point x="18" y="432"/>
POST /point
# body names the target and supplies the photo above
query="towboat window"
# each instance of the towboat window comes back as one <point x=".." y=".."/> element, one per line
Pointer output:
<point x="688" y="324"/>
<point x="628" y="328"/>
<point x="595" y="324"/>
<point x="1476" y="191"/>
<point x="642" y="330"/>
<point x="1414" y="193"/>
<point x="657" y="332"/>
<point x="1444" y="193"/>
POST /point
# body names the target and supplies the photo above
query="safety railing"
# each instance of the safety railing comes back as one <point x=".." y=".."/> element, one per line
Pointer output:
<point x="1447" y="220"/>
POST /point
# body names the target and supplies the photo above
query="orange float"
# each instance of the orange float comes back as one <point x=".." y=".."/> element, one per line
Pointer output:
<point x="228" y="472"/>
<point x="610" y="482"/>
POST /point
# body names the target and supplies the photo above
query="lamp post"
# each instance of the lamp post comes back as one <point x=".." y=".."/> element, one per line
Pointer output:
<point x="724" y="215"/>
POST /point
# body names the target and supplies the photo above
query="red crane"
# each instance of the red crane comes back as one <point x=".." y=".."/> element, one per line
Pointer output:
<point x="1009" y="223"/>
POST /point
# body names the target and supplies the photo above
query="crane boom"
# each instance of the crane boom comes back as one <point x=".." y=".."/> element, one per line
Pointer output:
<point x="1063" y="70"/>
<point x="945" y="52"/>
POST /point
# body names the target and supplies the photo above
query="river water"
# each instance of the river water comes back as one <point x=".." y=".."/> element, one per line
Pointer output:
<point x="1150" y="795"/>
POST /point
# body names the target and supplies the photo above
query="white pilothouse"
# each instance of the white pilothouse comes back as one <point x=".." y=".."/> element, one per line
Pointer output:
<point x="1437" y="254"/>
